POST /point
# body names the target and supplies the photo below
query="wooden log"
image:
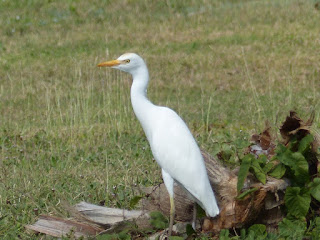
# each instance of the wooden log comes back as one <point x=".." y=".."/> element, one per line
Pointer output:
<point x="233" y="213"/>
<point x="110" y="220"/>
<point x="108" y="216"/>
<point x="59" y="227"/>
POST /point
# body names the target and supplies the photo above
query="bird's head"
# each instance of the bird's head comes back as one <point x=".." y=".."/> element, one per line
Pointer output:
<point x="128" y="62"/>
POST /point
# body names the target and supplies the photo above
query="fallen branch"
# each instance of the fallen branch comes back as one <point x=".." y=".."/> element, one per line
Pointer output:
<point x="59" y="227"/>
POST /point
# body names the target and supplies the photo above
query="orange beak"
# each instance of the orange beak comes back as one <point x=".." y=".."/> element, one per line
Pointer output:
<point x="109" y="63"/>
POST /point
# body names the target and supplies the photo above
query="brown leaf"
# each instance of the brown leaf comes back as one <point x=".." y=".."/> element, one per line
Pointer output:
<point x="263" y="141"/>
<point x="294" y="126"/>
<point x="265" y="138"/>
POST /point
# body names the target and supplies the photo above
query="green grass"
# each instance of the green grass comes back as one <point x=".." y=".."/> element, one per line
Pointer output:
<point x="67" y="130"/>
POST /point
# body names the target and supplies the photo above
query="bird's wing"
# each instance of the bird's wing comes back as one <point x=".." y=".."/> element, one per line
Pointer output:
<point x="176" y="151"/>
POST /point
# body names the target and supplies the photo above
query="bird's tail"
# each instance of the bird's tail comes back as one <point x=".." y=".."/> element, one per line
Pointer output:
<point x="213" y="209"/>
<point x="210" y="204"/>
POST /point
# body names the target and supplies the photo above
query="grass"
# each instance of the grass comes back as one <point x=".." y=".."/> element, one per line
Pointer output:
<point x="67" y="130"/>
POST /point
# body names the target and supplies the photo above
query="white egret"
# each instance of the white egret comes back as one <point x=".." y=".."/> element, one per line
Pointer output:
<point x="171" y="142"/>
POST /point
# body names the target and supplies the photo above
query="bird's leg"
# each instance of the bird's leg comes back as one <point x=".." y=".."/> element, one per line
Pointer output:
<point x="194" y="217"/>
<point x="172" y="213"/>
<point x="169" y="182"/>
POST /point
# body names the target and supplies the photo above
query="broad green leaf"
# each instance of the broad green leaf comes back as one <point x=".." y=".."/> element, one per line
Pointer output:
<point x="259" y="231"/>
<point x="300" y="168"/>
<point x="278" y="171"/>
<point x="305" y="143"/>
<point x="292" y="229"/>
<point x="297" y="201"/>
<point x="296" y="163"/>
<point x="250" y="236"/>
<point x="315" y="189"/>
<point x="243" y="171"/>
<point x="262" y="159"/>
<point x="224" y="234"/>
<point x="285" y="156"/>
<point x="245" y="193"/>
<point x="267" y="168"/>
<point x="243" y="234"/>
<point x="258" y="172"/>
<point x="281" y="149"/>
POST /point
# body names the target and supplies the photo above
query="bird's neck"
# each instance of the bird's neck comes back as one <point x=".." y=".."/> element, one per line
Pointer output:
<point x="142" y="107"/>
<point x="139" y="84"/>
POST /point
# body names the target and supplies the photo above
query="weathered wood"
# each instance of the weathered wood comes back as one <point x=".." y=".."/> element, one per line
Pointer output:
<point x="59" y="227"/>
<point x="108" y="216"/>
<point x="110" y="220"/>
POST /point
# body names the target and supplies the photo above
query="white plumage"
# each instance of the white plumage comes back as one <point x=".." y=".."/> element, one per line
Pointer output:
<point x="171" y="142"/>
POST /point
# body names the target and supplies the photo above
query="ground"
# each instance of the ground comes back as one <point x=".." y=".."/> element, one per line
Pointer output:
<point x="68" y="132"/>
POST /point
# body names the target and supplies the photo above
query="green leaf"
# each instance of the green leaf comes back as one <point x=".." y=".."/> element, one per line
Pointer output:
<point x="284" y="155"/>
<point x="262" y="159"/>
<point x="315" y="188"/>
<point x="258" y="229"/>
<point x="315" y="234"/>
<point x="158" y="221"/>
<point x="305" y="143"/>
<point x="224" y="234"/>
<point x="258" y="172"/>
<point x="190" y="230"/>
<point x="200" y="212"/>
<point x="281" y="149"/>
<point x="134" y="201"/>
<point x="297" y="164"/>
<point x="297" y="201"/>
<point x="243" y="234"/>
<point x="124" y="235"/>
<point x="267" y="168"/>
<point x="244" y="194"/>
<point x="300" y="168"/>
<point x="292" y="229"/>
<point x="278" y="171"/>
<point x="243" y="171"/>
<point x="176" y="238"/>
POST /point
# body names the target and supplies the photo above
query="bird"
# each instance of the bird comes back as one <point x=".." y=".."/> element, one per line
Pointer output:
<point x="172" y="143"/>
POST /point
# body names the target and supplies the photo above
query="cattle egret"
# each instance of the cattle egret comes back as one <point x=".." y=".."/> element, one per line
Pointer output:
<point x="171" y="142"/>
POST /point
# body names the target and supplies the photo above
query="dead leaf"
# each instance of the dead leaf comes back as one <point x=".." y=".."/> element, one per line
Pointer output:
<point x="263" y="143"/>
<point x="294" y="126"/>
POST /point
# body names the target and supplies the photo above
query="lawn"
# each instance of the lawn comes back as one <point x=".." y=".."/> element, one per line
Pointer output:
<point x="67" y="129"/>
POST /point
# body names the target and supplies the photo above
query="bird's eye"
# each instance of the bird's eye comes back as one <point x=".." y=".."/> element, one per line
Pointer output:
<point x="127" y="60"/>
